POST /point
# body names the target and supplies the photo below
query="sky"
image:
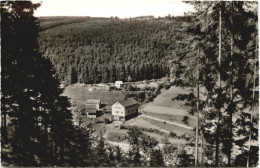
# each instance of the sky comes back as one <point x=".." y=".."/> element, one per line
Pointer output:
<point x="108" y="8"/>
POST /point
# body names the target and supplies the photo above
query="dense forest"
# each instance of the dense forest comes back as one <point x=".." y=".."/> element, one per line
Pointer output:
<point x="94" y="50"/>
<point x="220" y="63"/>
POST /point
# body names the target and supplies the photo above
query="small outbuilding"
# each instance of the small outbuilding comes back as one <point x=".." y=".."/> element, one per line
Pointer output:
<point x="95" y="102"/>
<point x="119" y="84"/>
<point x="91" y="110"/>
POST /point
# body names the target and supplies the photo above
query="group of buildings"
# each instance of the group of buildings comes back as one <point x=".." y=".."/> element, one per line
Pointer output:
<point x="107" y="87"/>
<point x="120" y="111"/>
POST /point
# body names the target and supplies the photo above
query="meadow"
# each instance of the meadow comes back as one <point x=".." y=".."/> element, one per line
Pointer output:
<point x="82" y="93"/>
<point x="163" y="107"/>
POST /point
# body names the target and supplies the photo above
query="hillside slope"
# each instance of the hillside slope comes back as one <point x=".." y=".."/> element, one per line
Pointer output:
<point x="93" y="50"/>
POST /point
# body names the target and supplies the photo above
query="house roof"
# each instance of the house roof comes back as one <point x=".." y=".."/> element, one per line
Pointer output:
<point x="91" y="110"/>
<point x="90" y="106"/>
<point x="93" y="101"/>
<point x="128" y="102"/>
<point x="119" y="82"/>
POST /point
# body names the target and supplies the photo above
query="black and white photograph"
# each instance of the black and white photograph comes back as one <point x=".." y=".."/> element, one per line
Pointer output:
<point x="129" y="83"/>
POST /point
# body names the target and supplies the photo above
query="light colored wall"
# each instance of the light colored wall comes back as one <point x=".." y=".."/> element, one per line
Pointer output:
<point x="98" y="106"/>
<point x="91" y="116"/>
<point x="118" y="84"/>
<point x="118" y="110"/>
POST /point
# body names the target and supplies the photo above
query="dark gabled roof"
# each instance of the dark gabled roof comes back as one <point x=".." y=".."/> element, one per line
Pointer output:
<point x="93" y="101"/>
<point x="90" y="106"/>
<point x="91" y="110"/>
<point x="128" y="102"/>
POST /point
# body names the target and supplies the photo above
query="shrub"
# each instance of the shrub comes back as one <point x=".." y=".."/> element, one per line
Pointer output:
<point x="129" y="87"/>
<point x="185" y="119"/>
<point x="83" y="112"/>
<point x="107" y="121"/>
<point x="167" y="86"/>
<point x="172" y="134"/>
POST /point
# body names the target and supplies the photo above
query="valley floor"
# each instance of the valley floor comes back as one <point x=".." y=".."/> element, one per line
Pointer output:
<point x="160" y="118"/>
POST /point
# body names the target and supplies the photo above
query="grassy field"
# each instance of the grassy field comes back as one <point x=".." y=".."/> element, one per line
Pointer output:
<point x="165" y="128"/>
<point x="82" y="93"/>
<point x="174" y="118"/>
<point x="164" y="108"/>
<point x="116" y="136"/>
<point x="140" y="122"/>
<point x="168" y="127"/>
<point x="163" y="102"/>
<point x="160" y="138"/>
<point x="164" y="99"/>
<point x="150" y="107"/>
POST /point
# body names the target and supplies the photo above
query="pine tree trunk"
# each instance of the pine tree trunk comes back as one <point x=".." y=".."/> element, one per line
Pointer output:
<point x="197" y="126"/>
<point x="219" y="92"/>
<point x="201" y="148"/>
<point x="253" y="108"/>
<point x="231" y="101"/>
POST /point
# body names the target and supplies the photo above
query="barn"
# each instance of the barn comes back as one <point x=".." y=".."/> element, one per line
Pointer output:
<point x="96" y="102"/>
<point x="91" y="110"/>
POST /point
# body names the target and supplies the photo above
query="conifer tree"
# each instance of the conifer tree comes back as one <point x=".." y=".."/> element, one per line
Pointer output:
<point x="40" y="130"/>
<point x="225" y="98"/>
<point x="156" y="159"/>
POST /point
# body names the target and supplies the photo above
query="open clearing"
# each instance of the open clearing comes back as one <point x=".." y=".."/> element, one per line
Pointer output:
<point x="82" y="93"/>
<point x="116" y="136"/>
<point x="168" y="122"/>
<point x="174" y="118"/>
<point x="140" y="122"/>
<point x="164" y="99"/>
<point x="164" y="105"/>
<point x="169" y="127"/>
<point x="164" y="108"/>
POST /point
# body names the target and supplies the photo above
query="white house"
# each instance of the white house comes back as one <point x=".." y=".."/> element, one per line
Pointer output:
<point x="125" y="109"/>
<point x="119" y="84"/>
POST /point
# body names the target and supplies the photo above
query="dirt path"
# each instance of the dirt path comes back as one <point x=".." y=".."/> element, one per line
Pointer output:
<point x="169" y="122"/>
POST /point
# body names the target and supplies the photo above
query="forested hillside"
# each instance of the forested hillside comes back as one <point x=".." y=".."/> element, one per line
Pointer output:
<point x="94" y="50"/>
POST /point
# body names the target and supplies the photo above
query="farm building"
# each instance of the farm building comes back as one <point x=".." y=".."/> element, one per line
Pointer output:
<point x="96" y="102"/>
<point x="125" y="109"/>
<point x="119" y="84"/>
<point x="91" y="110"/>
